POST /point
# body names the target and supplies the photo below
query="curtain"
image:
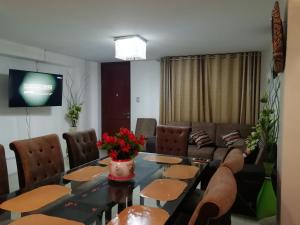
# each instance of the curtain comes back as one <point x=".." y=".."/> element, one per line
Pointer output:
<point x="221" y="88"/>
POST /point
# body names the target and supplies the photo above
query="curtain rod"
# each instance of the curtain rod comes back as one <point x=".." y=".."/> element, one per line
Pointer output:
<point x="223" y="55"/>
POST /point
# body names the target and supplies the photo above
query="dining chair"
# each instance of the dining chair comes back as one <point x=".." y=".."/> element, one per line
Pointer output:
<point x="172" y="140"/>
<point x="214" y="208"/>
<point x="4" y="186"/>
<point x="82" y="147"/>
<point x="234" y="160"/>
<point x="145" y="127"/>
<point x="38" y="159"/>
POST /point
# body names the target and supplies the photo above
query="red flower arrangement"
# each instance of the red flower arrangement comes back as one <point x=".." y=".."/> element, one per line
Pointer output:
<point x="123" y="145"/>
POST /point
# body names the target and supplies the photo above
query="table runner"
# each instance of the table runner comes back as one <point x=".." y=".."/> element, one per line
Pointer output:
<point x="86" y="174"/>
<point x="35" y="199"/>
<point x="141" y="215"/>
<point x="164" y="189"/>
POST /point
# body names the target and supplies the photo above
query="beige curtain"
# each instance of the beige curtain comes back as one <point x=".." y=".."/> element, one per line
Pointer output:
<point x="212" y="88"/>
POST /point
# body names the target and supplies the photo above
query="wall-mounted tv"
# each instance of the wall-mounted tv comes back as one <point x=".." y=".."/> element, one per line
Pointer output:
<point x="32" y="89"/>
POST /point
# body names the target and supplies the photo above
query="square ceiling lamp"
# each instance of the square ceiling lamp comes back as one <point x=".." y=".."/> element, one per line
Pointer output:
<point x="130" y="47"/>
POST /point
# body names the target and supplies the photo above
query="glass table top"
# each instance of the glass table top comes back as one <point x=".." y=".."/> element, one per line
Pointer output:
<point x="100" y="200"/>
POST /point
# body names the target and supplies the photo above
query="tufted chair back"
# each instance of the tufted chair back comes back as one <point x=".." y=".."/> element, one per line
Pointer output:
<point x="82" y="147"/>
<point x="38" y="159"/>
<point x="214" y="208"/>
<point x="4" y="187"/>
<point x="172" y="140"/>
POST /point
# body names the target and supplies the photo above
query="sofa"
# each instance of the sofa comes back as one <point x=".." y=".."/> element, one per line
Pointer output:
<point x="215" y="131"/>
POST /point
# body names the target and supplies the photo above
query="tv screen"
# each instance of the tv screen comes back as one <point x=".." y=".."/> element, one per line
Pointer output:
<point x="30" y="89"/>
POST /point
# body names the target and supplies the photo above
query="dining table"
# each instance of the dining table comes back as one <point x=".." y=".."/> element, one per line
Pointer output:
<point x="99" y="200"/>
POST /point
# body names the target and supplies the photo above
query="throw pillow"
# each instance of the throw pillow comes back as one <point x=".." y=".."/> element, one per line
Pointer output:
<point x="191" y="140"/>
<point x="231" y="138"/>
<point x="201" y="138"/>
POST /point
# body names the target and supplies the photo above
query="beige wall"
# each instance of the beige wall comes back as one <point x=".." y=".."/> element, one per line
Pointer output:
<point x="290" y="124"/>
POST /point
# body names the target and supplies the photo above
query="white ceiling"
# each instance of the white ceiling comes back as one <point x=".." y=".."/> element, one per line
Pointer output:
<point x="85" y="28"/>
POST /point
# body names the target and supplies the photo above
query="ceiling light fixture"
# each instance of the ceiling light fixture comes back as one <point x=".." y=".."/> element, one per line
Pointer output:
<point x="130" y="47"/>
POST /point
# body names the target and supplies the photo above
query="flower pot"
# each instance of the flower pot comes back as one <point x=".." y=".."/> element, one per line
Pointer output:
<point x="73" y="129"/>
<point x="121" y="170"/>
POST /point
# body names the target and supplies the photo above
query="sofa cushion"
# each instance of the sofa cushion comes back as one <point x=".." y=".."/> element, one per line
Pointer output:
<point x="220" y="154"/>
<point x="224" y="128"/>
<point x="240" y="144"/>
<point x="231" y="138"/>
<point x="210" y="129"/>
<point x="201" y="138"/>
<point x="204" y="152"/>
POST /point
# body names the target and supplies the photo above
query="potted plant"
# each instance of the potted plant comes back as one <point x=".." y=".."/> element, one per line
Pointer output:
<point x="264" y="137"/>
<point x="73" y="113"/>
<point x="74" y="100"/>
<point x="122" y="148"/>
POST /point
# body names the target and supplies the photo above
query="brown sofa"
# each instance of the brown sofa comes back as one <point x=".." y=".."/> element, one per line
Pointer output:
<point x="219" y="150"/>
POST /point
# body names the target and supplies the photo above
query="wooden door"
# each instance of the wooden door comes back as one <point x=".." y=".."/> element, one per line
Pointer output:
<point x="115" y="92"/>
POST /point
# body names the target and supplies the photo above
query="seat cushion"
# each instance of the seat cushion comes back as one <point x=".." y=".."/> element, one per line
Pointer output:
<point x="220" y="154"/>
<point x="204" y="152"/>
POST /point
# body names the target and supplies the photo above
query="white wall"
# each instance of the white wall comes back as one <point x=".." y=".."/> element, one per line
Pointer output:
<point x="289" y="175"/>
<point x="43" y="120"/>
<point x="266" y="68"/>
<point x="145" y="90"/>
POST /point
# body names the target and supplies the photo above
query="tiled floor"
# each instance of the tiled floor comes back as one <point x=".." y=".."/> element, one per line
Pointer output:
<point x="240" y="220"/>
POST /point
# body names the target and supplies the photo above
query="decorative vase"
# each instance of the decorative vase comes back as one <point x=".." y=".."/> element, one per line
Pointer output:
<point x="274" y="178"/>
<point x="266" y="205"/>
<point x="121" y="170"/>
<point x="72" y="129"/>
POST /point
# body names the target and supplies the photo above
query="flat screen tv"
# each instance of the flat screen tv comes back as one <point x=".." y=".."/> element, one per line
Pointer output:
<point x="33" y="89"/>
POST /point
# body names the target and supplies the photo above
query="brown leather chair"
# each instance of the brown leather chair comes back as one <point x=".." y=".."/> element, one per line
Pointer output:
<point x="172" y="140"/>
<point x="82" y="147"/>
<point x="4" y="187"/>
<point x="234" y="160"/>
<point x="214" y="208"/>
<point x="38" y="159"/>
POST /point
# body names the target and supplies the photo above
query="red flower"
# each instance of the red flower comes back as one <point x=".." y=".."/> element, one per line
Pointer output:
<point x="113" y="154"/>
<point x="126" y="148"/>
<point x="121" y="142"/>
<point x="124" y="131"/>
<point x="131" y="137"/>
<point x="99" y="144"/>
<point x="105" y="137"/>
<point x="123" y="145"/>
<point x="141" y="140"/>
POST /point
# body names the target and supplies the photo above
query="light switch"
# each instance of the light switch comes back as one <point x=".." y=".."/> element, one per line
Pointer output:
<point x="137" y="99"/>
